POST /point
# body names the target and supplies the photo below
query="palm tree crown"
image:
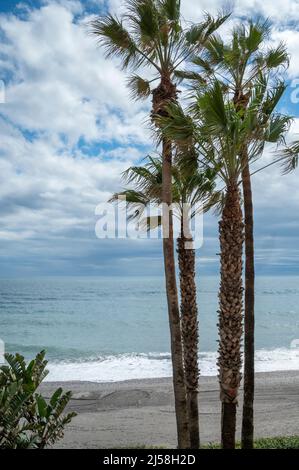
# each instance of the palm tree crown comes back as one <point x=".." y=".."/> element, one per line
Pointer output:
<point x="151" y="34"/>
<point x="190" y="186"/>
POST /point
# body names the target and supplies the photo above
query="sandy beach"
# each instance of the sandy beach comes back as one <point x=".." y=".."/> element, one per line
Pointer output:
<point x="141" y="412"/>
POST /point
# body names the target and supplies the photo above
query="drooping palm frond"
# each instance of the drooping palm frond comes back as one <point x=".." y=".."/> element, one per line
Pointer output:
<point x="177" y="125"/>
<point x="116" y="40"/>
<point x="214" y="109"/>
<point x="277" y="128"/>
<point x="291" y="158"/>
<point x="171" y="9"/>
<point x="273" y="58"/>
<point x="272" y="97"/>
<point x="139" y="87"/>
<point x="190" y="75"/>
<point x="190" y="185"/>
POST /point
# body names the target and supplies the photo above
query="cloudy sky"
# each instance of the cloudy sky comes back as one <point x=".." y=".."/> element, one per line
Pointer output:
<point x="68" y="129"/>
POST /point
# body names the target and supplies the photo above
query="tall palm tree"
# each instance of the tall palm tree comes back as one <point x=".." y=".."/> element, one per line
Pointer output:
<point x="150" y="34"/>
<point x="240" y="64"/>
<point x="219" y="132"/>
<point x="190" y="187"/>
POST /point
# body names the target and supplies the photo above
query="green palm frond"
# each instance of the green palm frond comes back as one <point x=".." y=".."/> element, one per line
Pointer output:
<point x="277" y="128"/>
<point x="214" y="53"/>
<point x="274" y="58"/>
<point x="214" y="108"/>
<point x="150" y="33"/>
<point x="171" y="9"/>
<point x="116" y="40"/>
<point x="190" y="75"/>
<point x="130" y="196"/>
<point x="291" y="154"/>
<point x="199" y="34"/>
<point x="177" y="126"/>
<point x="144" y="18"/>
<point x="190" y="184"/>
<point x="139" y="87"/>
<point x="252" y="37"/>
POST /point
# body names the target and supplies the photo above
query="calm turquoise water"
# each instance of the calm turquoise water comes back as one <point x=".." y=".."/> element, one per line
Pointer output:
<point x="118" y="320"/>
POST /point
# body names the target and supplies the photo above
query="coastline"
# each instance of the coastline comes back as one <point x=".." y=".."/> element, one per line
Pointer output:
<point x="141" y="412"/>
<point x="128" y="366"/>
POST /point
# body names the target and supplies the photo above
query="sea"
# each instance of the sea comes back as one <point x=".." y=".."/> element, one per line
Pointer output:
<point x="108" y="329"/>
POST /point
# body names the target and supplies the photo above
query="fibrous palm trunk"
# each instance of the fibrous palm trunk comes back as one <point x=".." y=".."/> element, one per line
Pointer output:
<point x="162" y="95"/>
<point x="231" y="229"/>
<point x="189" y="319"/>
<point x="247" y="420"/>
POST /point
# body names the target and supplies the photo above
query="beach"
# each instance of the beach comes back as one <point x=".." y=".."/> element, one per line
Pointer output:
<point x="141" y="412"/>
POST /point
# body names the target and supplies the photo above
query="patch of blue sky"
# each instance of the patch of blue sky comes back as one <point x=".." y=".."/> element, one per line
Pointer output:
<point x="108" y="150"/>
<point x="289" y="103"/>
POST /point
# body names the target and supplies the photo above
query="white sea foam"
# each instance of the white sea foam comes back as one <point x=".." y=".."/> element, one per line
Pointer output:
<point x="143" y="366"/>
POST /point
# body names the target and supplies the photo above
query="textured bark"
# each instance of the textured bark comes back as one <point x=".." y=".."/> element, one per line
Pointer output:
<point x="162" y="95"/>
<point x="241" y="102"/>
<point x="247" y="419"/>
<point x="228" y="425"/>
<point x="189" y="318"/>
<point x="231" y="235"/>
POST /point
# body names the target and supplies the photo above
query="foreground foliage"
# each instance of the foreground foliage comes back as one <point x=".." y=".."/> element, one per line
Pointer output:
<point x="27" y="420"/>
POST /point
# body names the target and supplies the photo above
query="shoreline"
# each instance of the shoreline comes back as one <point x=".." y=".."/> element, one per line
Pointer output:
<point x="141" y="412"/>
<point x="139" y="366"/>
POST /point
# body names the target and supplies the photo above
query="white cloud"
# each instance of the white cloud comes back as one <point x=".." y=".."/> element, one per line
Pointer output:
<point x="64" y="101"/>
<point x="61" y="81"/>
<point x="277" y="11"/>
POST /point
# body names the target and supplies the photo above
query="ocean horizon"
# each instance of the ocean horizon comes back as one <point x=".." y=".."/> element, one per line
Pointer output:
<point x="105" y="329"/>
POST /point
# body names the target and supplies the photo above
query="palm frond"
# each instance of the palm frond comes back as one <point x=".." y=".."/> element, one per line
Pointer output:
<point x="277" y="128"/>
<point x="143" y="16"/>
<point x="116" y="40"/>
<point x="291" y="154"/>
<point x="139" y="87"/>
<point x="190" y="75"/>
<point x="171" y="8"/>
<point x="276" y="57"/>
<point x="150" y="223"/>
<point x="199" y="34"/>
<point x="212" y="105"/>
<point x="177" y="126"/>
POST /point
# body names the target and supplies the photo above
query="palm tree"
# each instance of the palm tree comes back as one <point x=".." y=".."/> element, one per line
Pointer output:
<point x="240" y="65"/>
<point x="219" y="132"/>
<point x="150" y="34"/>
<point x="190" y="186"/>
<point x="242" y="62"/>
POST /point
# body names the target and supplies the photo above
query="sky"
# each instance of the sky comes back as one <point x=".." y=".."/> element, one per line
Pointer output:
<point x="68" y="129"/>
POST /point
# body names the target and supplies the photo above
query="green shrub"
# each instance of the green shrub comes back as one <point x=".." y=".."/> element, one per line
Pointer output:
<point x="27" y="420"/>
<point x="279" y="442"/>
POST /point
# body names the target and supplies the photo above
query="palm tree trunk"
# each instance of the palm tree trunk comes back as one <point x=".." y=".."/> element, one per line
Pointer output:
<point x="162" y="95"/>
<point x="189" y="318"/>
<point x="230" y="312"/>
<point x="247" y="420"/>
<point x="173" y="305"/>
